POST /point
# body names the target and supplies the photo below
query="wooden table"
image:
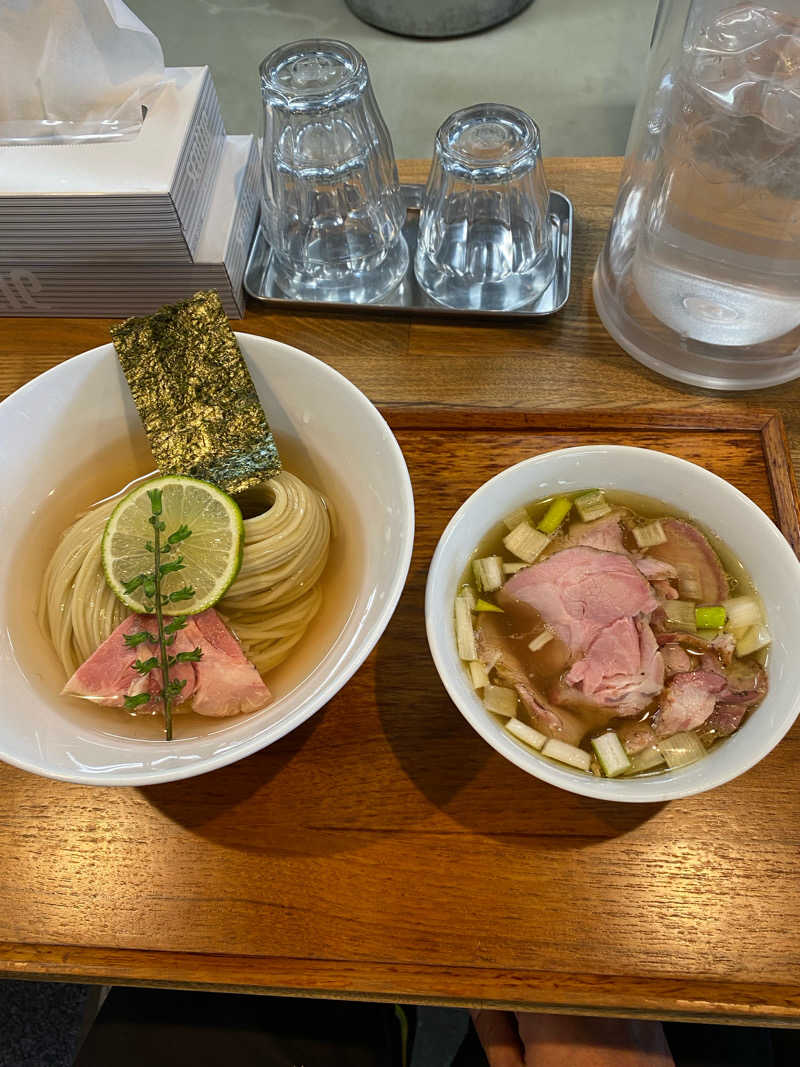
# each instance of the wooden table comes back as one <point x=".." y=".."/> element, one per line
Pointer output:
<point x="367" y="860"/>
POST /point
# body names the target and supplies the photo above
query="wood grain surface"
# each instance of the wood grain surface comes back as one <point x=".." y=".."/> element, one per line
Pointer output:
<point x="383" y="850"/>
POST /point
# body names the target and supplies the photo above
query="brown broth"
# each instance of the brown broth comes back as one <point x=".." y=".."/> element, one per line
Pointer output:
<point x="547" y="666"/>
<point x="129" y="461"/>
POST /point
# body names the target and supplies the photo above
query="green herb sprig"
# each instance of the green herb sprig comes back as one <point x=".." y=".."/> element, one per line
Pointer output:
<point x="150" y="584"/>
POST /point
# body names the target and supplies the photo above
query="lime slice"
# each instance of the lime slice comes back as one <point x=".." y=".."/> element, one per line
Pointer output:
<point x="211" y="555"/>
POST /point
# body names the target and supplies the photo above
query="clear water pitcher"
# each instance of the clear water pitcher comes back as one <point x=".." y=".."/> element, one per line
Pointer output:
<point x="699" y="277"/>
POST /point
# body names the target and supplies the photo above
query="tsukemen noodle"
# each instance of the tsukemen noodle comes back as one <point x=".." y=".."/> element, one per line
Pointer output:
<point x="183" y="591"/>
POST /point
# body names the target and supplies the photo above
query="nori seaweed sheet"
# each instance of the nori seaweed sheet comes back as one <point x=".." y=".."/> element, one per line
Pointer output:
<point x="195" y="396"/>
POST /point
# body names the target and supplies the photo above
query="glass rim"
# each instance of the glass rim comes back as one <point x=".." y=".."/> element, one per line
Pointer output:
<point x="523" y="156"/>
<point x="350" y="87"/>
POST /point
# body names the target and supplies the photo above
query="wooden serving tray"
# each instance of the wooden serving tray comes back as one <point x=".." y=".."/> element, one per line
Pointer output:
<point x="383" y="850"/>
<point x="748" y="448"/>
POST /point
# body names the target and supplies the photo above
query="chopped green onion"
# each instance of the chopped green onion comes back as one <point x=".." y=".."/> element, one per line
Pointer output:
<point x="553" y="518"/>
<point x="682" y="749"/>
<point x="755" y="638"/>
<point x="477" y="672"/>
<point x="689" y="586"/>
<point x="592" y="505"/>
<point x="526" y="733"/>
<point x="466" y="592"/>
<point x="710" y="618"/>
<point x="540" y="640"/>
<point x="707" y="635"/>
<point x="525" y="542"/>
<point x="650" y="534"/>
<point x="680" y="614"/>
<point x="485" y="605"/>
<point x="500" y="700"/>
<point x="743" y="612"/>
<point x="515" y="518"/>
<point x="512" y="568"/>
<point x="488" y="573"/>
<point x="465" y="635"/>
<point x="569" y="754"/>
<point x="645" y="760"/>
<point x="610" y="754"/>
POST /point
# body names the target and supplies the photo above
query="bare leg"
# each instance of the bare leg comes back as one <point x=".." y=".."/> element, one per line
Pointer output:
<point x="500" y="1038"/>
<point x="570" y="1041"/>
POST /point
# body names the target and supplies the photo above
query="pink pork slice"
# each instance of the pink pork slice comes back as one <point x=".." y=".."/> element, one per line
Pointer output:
<point x="726" y="719"/>
<point x="107" y="676"/>
<point x="222" y="682"/>
<point x="604" y="534"/>
<point x="676" y="659"/>
<point x="590" y="599"/>
<point x="746" y="682"/>
<point x="622" y="668"/>
<point x="686" y="547"/>
<point x="580" y="591"/>
<point x="226" y="682"/>
<point x="688" y="701"/>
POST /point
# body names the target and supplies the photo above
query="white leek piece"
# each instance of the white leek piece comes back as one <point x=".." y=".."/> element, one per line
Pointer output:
<point x="540" y="640"/>
<point x="466" y="592"/>
<point x="465" y="635"/>
<point x="681" y="614"/>
<point x="650" y="534"/>
<point x="755" y="638"/>
<point x="592" y="505"/>
<point x="682" y="749"/>
<point x="488" y="573"/>
<point x="611" y="756"/>
<point x="515" y="518"/>
<point x="501" y="701"/>
<point x="526" y="733"/>
<point x="526" y="542"/>
<point x="647" y="760"/>
<point x="743" y="612"/>
<point x="477" y="672"/>
<point x="569" y="754"/>
<point x="512" y="568"/>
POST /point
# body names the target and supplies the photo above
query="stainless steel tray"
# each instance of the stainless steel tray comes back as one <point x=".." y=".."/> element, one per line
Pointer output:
<point x="408" y="296"/>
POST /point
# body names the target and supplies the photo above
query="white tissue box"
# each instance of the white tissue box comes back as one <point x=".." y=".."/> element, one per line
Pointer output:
<point x="119" y="287"/>
<point x="143" y="199"/>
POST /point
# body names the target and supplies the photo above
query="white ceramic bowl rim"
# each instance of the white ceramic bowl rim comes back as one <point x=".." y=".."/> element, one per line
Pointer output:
<point x="699" y="777"/>
<point x="341" y="670"/>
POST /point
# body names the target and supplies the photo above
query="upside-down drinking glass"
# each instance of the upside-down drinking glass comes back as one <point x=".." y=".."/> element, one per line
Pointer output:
<point x="331" y="208"/>
<point x="485" y="236"/>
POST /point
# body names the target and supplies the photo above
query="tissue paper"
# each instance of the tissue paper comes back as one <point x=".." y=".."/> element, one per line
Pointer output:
<point x="74" y="70"/>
